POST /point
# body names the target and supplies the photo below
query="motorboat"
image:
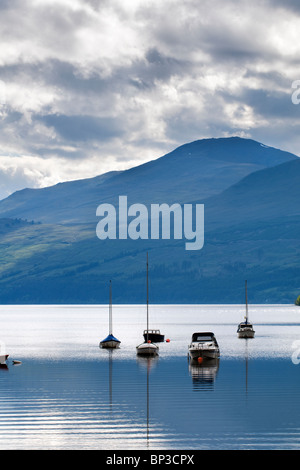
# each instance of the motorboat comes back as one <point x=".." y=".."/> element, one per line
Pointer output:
<point x="245" y="329"/>
<point x="148" y="348"/>
<point x="154" y="335"/>
<point x="110" y="341"/>
<point x="203" y="346"/>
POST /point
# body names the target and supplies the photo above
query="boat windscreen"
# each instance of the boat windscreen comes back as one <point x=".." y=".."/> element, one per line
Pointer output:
<point x="201" y="337"/>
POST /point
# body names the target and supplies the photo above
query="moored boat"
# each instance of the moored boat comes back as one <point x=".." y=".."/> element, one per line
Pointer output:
<point x="148" y="348"/>
<point x="3" y="358"/>
<point x="245" y="329"/>
<point x="110" y="341"/>
<point x="204" y="346"/>
<point x="154" y="335"/>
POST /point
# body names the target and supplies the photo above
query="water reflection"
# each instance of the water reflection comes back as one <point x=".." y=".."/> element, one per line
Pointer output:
<point x="204" y="373"/>
<point x="246" y="362"/>
<point x="147" y="363"/>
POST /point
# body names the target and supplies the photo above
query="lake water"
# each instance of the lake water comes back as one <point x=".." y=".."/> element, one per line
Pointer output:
<point x="69" y="394"/>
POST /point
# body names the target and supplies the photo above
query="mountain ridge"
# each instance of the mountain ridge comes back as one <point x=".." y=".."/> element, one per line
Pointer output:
<point x="252" y="227"/>
<point x="194" y="169"/>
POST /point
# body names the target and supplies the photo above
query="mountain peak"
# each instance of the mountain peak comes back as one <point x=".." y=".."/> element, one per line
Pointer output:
<point x="194" y="171"/>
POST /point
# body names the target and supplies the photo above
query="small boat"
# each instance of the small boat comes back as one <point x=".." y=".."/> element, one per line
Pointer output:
<point x="204" y="346"/>
<point x="110" y="341"/>
<point x="148" y="348"/>
<point x="245" y="329"/>
<point x="3" y="358"/>
<point x="154" y="335"/>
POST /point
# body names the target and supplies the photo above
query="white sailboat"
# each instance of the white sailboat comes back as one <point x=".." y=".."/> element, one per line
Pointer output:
<point x="110" y="341"/>
<point x="147" y="348"/>
<point x="245" y="329"/>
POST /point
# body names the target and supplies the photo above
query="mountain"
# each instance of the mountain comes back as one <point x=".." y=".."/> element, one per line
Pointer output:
<point x="252" y="227"/>
<point x="263" y="195"/>
<point x="194" y="171"/>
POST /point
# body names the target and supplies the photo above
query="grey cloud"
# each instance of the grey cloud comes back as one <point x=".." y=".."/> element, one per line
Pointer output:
<point x="287" y="5"/>
<point x="83" y="128"/>
<point x="156" y="93"/>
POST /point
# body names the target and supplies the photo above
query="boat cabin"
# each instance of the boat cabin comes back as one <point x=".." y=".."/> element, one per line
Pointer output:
<point x="153" y="335"/>
<point x="203" y="337"/>
<point x="245" y="325"/>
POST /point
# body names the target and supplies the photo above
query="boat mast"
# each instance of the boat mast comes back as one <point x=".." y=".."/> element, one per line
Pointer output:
<point x="246" y="301"/>
<point x="110" y="309"/>
<point x="147" y="299"/>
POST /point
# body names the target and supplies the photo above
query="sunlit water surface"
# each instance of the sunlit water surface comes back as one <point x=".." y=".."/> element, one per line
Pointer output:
<point x="70" y="394"/>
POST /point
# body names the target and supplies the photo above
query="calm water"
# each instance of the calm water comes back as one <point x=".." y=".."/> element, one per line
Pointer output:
<point x="69" y="394"/>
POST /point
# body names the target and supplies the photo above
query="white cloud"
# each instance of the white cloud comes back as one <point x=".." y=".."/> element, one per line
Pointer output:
<point x="111" y="84"/>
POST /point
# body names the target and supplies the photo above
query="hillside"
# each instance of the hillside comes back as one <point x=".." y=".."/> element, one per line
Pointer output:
<point x="252" y="228"/>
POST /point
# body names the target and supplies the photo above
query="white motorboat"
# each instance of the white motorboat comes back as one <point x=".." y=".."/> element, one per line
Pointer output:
<point x="110" y="342"/>
<point x="245" y="329"/>
<point x="204" y="346"/>
<point x="147" y="348"/>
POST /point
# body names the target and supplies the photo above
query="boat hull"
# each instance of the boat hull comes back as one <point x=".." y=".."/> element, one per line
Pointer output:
<point x="147" y="349"/>
<point x="196" y="353"/>
<point x="246" y="334"/>
<point x="110" y="344"/>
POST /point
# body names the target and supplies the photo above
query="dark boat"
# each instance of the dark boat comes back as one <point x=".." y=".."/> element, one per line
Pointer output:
<point x="154" y="336"/>
<point x="110" y="341"/>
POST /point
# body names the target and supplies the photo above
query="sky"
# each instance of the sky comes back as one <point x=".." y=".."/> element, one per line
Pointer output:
<point x="90" y="86"/>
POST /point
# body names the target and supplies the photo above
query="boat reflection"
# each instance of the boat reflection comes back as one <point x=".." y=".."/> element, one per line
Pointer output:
<point x="246" y="364"/>
<point x="205" y="373"/>
<point x="147" y="363"/>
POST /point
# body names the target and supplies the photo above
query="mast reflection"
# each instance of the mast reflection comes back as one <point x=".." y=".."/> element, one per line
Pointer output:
<point x="148" y="363"/>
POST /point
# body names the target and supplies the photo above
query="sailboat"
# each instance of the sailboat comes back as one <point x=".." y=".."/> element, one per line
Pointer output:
<point x="245" y="329"/>
<point x="110" y="341"/>
<point x="147" y="348"/>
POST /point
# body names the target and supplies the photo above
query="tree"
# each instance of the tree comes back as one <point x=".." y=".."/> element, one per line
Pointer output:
<point x="297" y="301"/>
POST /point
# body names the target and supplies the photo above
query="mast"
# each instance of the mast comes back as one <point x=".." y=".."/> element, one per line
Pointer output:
<point x="110" y="309"/>
<point x="246" y="301"/>
<point x="147" y="298"/>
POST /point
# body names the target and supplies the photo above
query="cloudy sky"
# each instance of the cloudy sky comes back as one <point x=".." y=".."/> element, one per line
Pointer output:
<point x="88" y="86"/>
